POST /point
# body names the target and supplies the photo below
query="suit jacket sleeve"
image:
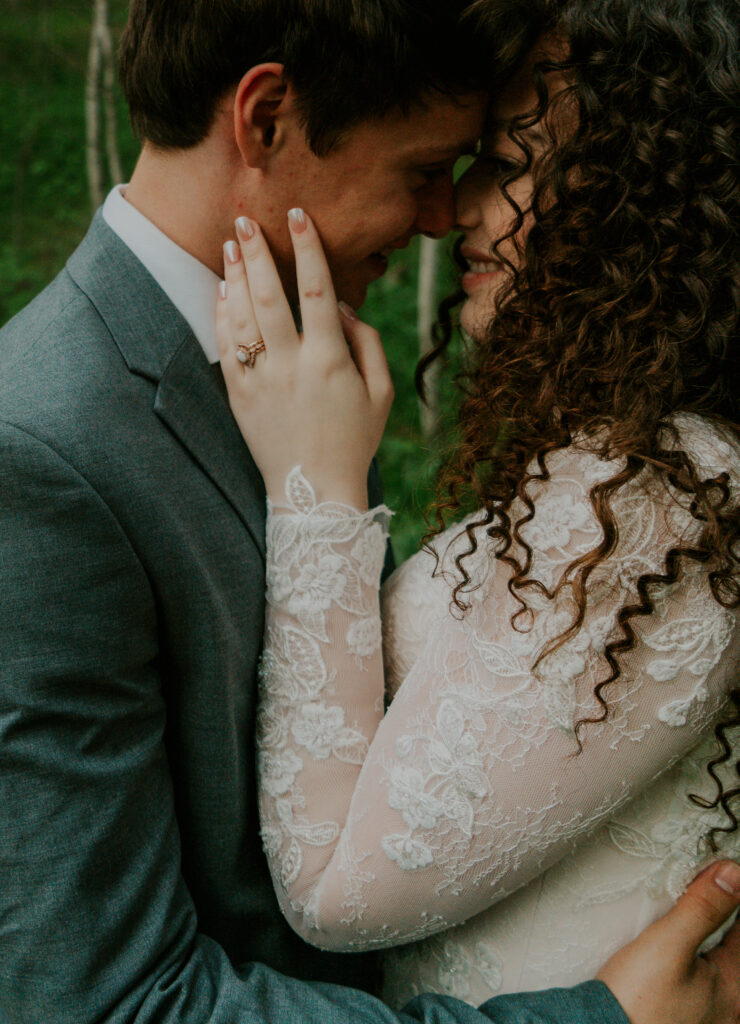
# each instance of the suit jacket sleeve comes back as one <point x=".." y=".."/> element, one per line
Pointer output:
<point x="96" y="924"/>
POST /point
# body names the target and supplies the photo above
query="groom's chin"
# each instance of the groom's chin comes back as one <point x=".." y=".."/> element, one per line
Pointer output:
<point x="351" y="291"/>
<point x="353" y="297"/>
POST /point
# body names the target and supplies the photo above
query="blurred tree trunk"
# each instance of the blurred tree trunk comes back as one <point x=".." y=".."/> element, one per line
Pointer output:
<point x="92" y="114"/>
<point x="427" y="314"/>
<point x="109" y="98"/>
<point x="100" y="108"/>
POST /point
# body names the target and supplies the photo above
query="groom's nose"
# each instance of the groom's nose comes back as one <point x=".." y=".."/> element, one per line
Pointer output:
<point x="436" y="216"/>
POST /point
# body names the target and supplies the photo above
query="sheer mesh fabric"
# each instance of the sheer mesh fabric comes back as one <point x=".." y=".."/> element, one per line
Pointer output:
<point x="461" y="816"/>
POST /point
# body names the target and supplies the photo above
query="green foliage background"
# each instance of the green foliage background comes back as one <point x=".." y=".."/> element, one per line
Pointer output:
<point x="44" y="212"/>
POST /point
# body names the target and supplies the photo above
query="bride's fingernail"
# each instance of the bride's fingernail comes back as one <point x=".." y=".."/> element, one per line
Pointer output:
<point x="297" y="220"/>
<point x="232" y="252"/>
<point x="728" y="879"/>
<point x="347" y="310"/>
<point x="245" y="228"/>
<point x="222" y="289"/>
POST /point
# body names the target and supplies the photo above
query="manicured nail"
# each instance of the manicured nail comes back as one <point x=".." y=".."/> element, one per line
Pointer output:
<point x="347" y="310"/>
<point x="232" y="252"/>
<point x="222" y="289"/>
<point x="297" y="220"/>
<point x="245" y="228"/>
<point x="728" y="879"/>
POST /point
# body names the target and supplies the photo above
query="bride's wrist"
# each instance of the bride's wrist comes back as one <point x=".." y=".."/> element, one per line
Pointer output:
<point x="326" y="490"/>
<point x="354" y="502"/>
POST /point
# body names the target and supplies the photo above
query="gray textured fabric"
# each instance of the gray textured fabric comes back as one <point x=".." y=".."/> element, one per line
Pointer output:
<point x="132" y="882"/>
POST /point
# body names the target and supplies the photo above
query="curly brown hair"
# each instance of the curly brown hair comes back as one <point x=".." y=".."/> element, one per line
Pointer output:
<point x="624" y="307"/>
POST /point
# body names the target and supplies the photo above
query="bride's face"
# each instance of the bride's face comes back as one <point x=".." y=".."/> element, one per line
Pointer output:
<point x="483" y="213"/>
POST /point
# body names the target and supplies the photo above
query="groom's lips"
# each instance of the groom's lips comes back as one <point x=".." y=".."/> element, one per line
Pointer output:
<point x="379" y="262"/>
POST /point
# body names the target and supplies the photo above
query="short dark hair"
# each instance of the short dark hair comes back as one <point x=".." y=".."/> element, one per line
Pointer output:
<point x="348" y="60"/>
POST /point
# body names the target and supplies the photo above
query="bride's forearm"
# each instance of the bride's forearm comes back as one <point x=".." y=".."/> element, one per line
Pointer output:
<point x="321" y="685"/>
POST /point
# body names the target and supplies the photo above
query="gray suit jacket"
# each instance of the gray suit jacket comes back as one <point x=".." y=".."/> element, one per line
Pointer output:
<point x="132" y="882"/>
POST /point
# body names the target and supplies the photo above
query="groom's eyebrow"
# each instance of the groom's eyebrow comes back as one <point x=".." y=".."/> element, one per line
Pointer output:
<point x="435" y="153"/>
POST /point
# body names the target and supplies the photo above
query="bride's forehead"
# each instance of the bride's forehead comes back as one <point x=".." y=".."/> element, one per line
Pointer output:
<point x="521" y="102"/>
<point x="512" y="100"/>
<point x="519" y="94"/>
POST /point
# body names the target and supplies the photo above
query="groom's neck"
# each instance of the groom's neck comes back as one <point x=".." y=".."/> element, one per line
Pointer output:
<point x="189" y="195"/>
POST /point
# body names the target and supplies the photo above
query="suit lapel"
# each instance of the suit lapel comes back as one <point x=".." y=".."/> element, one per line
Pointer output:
<point x="156" y="342"/>
<point x="191" y="400"/>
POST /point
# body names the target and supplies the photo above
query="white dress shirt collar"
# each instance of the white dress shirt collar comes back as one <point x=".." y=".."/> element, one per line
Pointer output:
<point x="189" y="284"/>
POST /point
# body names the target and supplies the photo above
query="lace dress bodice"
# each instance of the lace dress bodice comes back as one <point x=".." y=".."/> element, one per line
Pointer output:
<point x="462" y="824"/>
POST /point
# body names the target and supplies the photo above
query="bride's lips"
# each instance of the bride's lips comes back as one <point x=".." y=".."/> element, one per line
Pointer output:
<point x="483" y="268"/>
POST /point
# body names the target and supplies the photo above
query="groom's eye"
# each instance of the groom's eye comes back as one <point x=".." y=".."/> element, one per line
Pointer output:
<point x="435" y="172"/>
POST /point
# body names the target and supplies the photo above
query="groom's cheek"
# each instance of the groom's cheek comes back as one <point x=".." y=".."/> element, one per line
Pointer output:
<point x="285" y="263"/>
<point x="277" y="236"/>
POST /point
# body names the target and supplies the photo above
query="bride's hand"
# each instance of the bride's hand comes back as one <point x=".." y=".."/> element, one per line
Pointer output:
<point x="319" y="400"/>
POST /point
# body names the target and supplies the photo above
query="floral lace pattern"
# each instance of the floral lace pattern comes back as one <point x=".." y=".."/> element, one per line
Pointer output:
<point x="461" y="821"/>
<point x="322" y="589"/>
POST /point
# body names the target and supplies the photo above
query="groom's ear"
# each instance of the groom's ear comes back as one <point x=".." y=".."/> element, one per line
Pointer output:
<point x="260" y="107"/>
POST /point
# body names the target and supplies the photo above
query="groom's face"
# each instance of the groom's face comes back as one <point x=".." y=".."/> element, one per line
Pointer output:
<point x="384" y="182"/>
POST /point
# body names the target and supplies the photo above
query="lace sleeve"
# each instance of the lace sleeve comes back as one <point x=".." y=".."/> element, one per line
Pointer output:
<point x="382" y="830"/>
<point x="321" y="694"/>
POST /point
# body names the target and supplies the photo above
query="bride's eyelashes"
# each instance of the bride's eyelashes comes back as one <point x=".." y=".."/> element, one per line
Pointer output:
<point x="499" y="166"/>
<point x="504" y="166"/>
<point x="497" y="163"/>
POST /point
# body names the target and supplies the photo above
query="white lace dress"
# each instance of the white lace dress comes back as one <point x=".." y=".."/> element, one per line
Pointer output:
<point x="461" y="825"/>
